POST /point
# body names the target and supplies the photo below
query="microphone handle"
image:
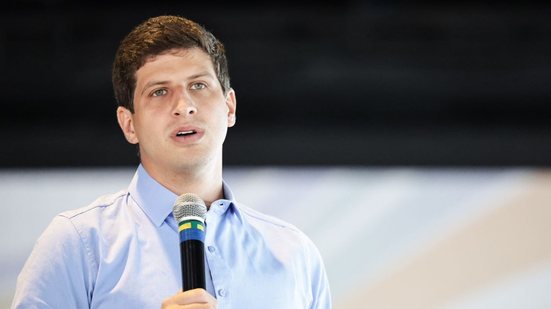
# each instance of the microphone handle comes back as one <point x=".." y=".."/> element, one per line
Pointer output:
<point x="192" y="257"/>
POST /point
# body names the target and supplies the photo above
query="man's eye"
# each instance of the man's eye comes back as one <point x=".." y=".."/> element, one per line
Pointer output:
<point x="158" y="93"/>
<point x="198" y="86"/>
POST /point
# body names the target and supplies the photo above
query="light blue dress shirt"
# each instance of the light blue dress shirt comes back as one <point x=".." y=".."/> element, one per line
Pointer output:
<point x="122" y="251"/>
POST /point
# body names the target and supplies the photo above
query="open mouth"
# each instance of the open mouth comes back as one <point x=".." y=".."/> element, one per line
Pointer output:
<point x="186" y="133"/>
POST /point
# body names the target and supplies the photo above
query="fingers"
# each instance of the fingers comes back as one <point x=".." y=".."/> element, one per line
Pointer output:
<point x="192" y="299"/>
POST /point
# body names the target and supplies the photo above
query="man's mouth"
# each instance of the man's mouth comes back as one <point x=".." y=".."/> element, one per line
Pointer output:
<point x="185" y="133"/>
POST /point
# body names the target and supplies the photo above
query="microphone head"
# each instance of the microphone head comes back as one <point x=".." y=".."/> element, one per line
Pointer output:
<point x="189" y="205"/>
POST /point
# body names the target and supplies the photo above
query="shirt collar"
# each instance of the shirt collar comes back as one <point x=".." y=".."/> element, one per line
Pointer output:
<point x="156" y="201"/>
<point x="219" y="207"/>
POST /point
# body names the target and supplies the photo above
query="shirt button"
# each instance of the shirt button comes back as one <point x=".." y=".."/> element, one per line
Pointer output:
<point x="222" y="293"/>
<point x="211" y="249"/>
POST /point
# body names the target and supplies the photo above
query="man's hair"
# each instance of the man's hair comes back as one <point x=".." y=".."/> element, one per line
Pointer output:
<point x="157" y="36"/>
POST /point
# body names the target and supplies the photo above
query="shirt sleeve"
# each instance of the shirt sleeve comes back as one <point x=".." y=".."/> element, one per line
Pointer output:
<point x="321" y="294"/>
<point x="57" y="273"/>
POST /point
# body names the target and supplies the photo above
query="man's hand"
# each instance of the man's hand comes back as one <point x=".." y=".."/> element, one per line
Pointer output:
<point x="192" y="299"/>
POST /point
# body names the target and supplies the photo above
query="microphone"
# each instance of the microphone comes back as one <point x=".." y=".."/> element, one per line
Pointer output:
<point x="190" y="213"/>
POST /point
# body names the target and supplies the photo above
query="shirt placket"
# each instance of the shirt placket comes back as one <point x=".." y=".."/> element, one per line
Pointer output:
<point x="220" y="274"/>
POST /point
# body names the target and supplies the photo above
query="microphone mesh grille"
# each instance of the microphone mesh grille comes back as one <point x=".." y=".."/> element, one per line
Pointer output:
<point x="189" y="204"/>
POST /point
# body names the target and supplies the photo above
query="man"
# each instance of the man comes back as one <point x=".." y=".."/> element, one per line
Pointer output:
<point x="171" y="82"/>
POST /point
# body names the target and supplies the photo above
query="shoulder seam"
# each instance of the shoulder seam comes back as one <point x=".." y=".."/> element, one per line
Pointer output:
<point x="266" y="218"/>
<point x="101" y="201"/>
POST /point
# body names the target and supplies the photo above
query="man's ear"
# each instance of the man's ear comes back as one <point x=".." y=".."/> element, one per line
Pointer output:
<point x="126" y="122"/>
<point x="231" y="102"/>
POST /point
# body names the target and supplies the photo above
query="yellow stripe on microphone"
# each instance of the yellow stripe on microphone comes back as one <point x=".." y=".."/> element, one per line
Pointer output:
<point x="189" y="225"/>
<point x="185" y="226"/>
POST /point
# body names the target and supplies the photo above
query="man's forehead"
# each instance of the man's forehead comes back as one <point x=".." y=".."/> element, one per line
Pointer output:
<point x="150" y="74"/>
<point x="198" y="61"/>
<point x="180" y="52"/>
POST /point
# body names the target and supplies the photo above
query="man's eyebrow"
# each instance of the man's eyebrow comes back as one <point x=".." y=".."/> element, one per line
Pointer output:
<point x="153" y="83"/>
<point x="201" y="74"/>
<point x="164" y="82"/>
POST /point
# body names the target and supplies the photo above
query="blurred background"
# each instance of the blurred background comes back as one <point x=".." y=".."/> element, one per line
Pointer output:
<point x="425" y="125"/>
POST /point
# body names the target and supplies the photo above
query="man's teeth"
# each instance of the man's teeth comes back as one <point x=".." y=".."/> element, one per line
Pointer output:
<point x="181" y="133"/>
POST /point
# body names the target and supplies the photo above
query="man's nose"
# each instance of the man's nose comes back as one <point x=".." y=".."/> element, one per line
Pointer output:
<point x="184" y="105"/>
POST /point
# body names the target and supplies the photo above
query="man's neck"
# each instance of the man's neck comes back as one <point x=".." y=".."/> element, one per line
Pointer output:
<point x="205" y="183"/>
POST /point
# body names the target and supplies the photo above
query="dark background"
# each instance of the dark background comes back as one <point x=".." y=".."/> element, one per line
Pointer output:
<point x="378" y="83"/>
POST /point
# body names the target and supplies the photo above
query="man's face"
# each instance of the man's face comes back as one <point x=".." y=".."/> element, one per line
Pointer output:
<point x="181" y="114"/>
